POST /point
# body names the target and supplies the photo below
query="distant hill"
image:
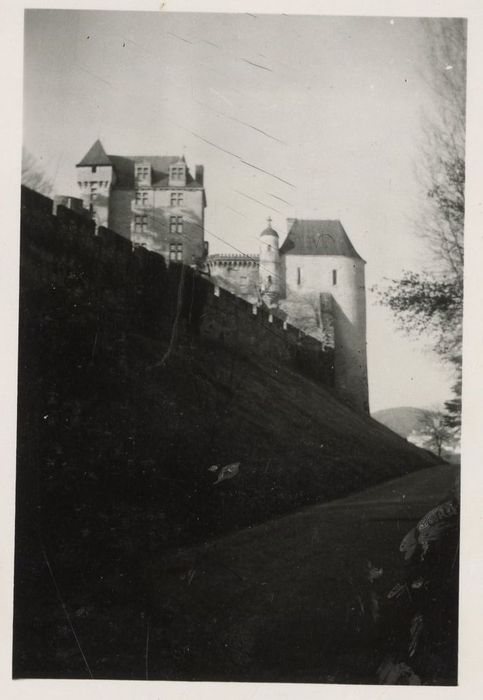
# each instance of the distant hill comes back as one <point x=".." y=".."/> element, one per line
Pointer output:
<point x="402" y="419"/>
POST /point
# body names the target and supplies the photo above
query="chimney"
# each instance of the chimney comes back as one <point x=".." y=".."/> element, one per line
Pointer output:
<point x="199" y="173"/>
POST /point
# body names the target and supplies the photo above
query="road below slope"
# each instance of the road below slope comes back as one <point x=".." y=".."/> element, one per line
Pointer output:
<point x="292" y="599"/>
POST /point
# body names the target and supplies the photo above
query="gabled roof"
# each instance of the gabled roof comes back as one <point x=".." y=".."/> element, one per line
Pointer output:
<point x="96" y="155"/>
<point x="318" y="237"/>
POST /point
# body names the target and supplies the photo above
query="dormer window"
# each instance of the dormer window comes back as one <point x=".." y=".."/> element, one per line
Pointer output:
<point x="142" y="174"/>
<point x="177" y="174"/>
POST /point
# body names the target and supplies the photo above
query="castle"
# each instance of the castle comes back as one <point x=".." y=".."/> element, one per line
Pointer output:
<point x="154" y="201"/>
<point x="314" y="280"/>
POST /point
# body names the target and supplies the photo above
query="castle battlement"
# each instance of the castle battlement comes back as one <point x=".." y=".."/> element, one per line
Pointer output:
<point x="147" y="289"/>
<point x="235" y="260"/>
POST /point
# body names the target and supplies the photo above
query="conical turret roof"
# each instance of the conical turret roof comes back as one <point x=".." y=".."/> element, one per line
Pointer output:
<point x="96" y="155"/>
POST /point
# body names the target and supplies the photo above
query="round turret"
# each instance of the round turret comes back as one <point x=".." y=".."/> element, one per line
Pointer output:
<point x="319" y="258"/>
<point x="270" y="272"/>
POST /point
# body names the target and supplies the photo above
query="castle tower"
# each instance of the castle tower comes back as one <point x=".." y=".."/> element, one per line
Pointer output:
<point x="271" y="286"/>
<point x="95" y="177"/>
<point x="320" y="260"/>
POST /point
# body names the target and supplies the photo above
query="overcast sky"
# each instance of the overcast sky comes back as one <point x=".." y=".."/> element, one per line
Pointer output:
<point x="309" y="117"/>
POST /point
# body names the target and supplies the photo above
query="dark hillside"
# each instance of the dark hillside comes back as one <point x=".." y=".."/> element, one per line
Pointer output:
<point x="134" y="379"/>
<point x="304" y="597"/>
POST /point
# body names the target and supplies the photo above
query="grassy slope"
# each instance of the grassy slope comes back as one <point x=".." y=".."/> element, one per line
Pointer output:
<point x="290" y="600"/>
<point x="114" y="452"/>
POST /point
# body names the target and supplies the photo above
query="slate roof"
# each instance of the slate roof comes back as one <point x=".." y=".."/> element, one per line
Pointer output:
<point x="96" y="155"/>
<point x="318" y="237"/>
<point x="124" y="167"/>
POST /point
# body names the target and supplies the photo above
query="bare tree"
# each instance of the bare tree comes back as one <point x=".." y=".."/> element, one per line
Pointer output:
<point x="432" y="303"/>
<point x="434" y="433"/>
<point x="442" y="166"/>
<point x="33" y="175"/>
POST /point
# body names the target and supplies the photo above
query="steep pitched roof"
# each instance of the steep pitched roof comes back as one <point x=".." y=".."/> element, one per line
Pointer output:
<point x="124" y="167"/>
<point x="318" y="237"/>
<point x="96" y="155"/>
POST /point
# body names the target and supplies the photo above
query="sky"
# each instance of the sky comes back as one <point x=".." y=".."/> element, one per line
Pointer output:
<point x="292" y="116"/>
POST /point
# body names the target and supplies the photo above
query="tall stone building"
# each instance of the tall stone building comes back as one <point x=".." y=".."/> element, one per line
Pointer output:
<point x="154" y="201"/>
<point x="319" y="263"/>
<point x="316" y="279"/>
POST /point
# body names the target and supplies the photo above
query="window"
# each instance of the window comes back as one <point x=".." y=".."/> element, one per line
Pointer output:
<point x="176" y="224"/>
<point x="177" y="173"/>
<point x="94" y="168"/>
<point x="176" y="199"/>
<point x="142" y="173"/>
<point x="142" y="198"/>
<point x="93" y="191"/>
<point x="176" y="251"/>
<point x="334" y="277"/>
<point x="140" y="223"/>
<point x="299" y="276"/>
